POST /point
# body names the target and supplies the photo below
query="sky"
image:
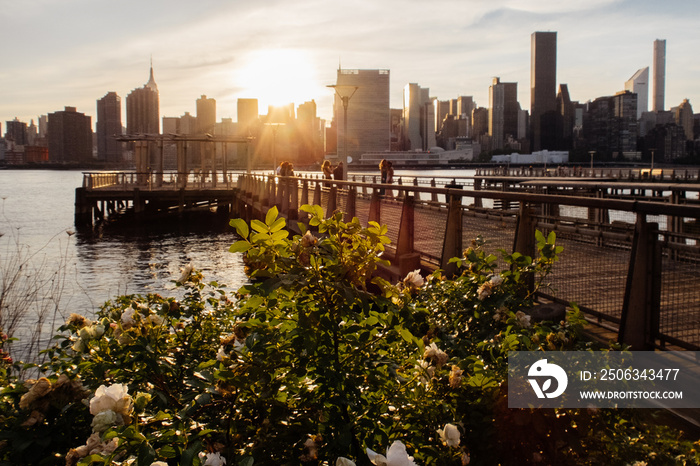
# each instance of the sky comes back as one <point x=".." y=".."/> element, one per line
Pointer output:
<point x="72" y="52"/>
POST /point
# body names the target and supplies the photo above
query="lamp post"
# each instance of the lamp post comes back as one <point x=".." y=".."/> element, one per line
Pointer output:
<point x="592" y="152"/>
<point x="345" y="92"/>
<point x="652" y="158"/>
<point x="274" y="144"/>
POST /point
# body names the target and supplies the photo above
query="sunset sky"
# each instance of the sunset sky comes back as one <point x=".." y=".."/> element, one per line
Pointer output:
<point x="72" y="52"/>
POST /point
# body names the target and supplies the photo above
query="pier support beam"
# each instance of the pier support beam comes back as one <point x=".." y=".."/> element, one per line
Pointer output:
<point x="375" y="205"/>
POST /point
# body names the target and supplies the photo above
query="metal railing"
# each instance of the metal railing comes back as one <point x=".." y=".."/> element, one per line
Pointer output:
<point x="622" y="272"/>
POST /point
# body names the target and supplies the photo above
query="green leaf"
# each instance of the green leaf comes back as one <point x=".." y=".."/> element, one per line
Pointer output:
<point x="247" y="461"/>
<point x="271" y="215"/>
<point x="240" y="246"/>
<point x="278" y="225"/>
<point x="259" y="226"/>
<point x="278" y="235"/>
<point x="241" y="227"/>
<point x="146" y="454"/>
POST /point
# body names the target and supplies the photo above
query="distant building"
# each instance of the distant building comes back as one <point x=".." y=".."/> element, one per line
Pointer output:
<point x="206" y="115"/>
<point x="16" y="131"/>
<point x="659" y="84"/>
<point x="143" y="109"/>
<point x="108" y="126"/>
<point x="503" y="112"/>
<point x="565" y="119"/>
<point x="248" y="116"/>
<point x="368" y="112"/>
<point x="543" y="88"/>
<point x="70" y="136"/>
<point x="418" y="118"/>
<point x="309" y="133"/>
<point x="639" y="84"/>
<point x="610" y="125"/>
<point x="683" y="117"/>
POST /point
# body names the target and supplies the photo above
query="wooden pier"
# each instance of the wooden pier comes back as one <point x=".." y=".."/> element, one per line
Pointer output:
<point x="630" y="261"/>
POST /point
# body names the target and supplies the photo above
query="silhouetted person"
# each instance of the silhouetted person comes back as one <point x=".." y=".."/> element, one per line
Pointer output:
<point x="338" y="172"/>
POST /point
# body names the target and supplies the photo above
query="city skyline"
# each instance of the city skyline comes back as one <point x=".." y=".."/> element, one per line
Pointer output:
<point x="284" y="53"/>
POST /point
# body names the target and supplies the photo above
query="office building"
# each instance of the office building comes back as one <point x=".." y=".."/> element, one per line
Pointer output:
<point x="143" y="109"/>
<point x="70" y="136"/>
<point x="368" y="112"/>
<point x="565" y="118"/>
<point x="543" y="88"/>
<point x="206" y="115"/>
<point x="659" y="84"/>
<point x="418" y="118"/>
<point x="503" y="112"/>
<point x="639" y="84"/>
<point x="610" y="125"/>
<point x="683" y="117"/>
<point x="16" y="131"/>
<point x="108" y="127"/>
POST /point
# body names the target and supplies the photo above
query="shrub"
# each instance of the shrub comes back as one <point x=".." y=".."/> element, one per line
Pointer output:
<point x="316" y="361"/>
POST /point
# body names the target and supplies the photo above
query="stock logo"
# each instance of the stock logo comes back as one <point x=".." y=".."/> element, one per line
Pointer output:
<point x="547" y="371"/>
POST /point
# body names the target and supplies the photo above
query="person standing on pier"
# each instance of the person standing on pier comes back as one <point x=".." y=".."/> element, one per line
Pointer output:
<point x="338" y="171"/>
<point x="384" y="172"/>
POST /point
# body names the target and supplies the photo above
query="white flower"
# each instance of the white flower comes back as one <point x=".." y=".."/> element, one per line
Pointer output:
<point x="435" y="353"/>
<point x="496" y="280"/>
<point x="185" y="273"/>
<point x="128" y="317"/>
<point x="449" y="435"/>
<point x="154" y="320"/>
<point x="308" y="239"/>
<point x="455" y="376"/>
<point x="115" y="398"/>
<point x="396" y="455"/>
<point x="104" y="420"/>
<point x="523" y="319"/>
<point x="413" y="279"/>
<point x="159" y="463"/>
<point x="344" y="462"/>
<point x="426" y="369"/>
<point x="221" y="354"/>
<point x="212" y="459"/>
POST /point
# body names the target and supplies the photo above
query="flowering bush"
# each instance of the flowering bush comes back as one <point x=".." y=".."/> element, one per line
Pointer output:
<point x="317" y="361"/>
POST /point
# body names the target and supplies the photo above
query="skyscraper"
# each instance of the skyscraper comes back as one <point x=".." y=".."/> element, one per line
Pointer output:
<point x="543" y="89"/>
<point x="369" y="115"/>
<point x="70" y="136"/>
<point x="418" y="117"/>
<point x="503" y="112"/>
<point x="659" y="84"/>
<point x="639" y="84"/>
<point x="142" y="109"/>
<point x="206" y="115"/>
<point x="109" y="125"/>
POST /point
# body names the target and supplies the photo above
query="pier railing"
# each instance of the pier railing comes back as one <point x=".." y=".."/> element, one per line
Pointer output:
<point x="636" y="274"/>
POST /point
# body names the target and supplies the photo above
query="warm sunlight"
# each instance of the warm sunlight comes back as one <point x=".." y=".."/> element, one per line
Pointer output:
<point x="278" y="77"/>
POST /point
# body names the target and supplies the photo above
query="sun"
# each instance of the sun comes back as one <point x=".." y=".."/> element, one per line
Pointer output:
<point x="278" y="77"/>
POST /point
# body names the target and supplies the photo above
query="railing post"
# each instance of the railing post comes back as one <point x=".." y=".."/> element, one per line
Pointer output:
<point x="641" y="307"/>
<point x="332" y="201"/>
<point x="452" y="242"/>
<point x="350" y="204"/>
<point x="317" y="194"/>
<point x="294" y="201"/>
<point x="364" y="188"/>
<point x="433" y="196"/>
<point x="285" y="184"/>
<point x="400" y="194"/>
<point x="524" y="241"/>
<point x="375" y="205"/>
<point x="406" y="256"/>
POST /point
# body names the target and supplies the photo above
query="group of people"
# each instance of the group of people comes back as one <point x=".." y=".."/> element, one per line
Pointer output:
<point x="331" y="173"/>
<point x="285" y="169"/>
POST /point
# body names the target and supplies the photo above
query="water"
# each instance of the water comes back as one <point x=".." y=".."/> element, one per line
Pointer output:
<point x="37" y="213"/>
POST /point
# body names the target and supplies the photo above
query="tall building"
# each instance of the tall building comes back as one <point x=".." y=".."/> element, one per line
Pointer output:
<point x="206" y="115"/>
<point x="659" y="84"/>
<point x="16" y="131"/>
<point x="565" y="118"/>
<point x="503" y="112"/>
<point x="639" y="84"/>
<point x="70" y="136"/>
<point x="108" y="126"/>
<point x="610" y="125"/>
<point x="683" y="116"/>
<point x="418" y="118"/>
<point x="368" y="112"/>
<point x="543" y="90"/>
<point x="143" y="109"/>
<point x="247" y="116"/>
